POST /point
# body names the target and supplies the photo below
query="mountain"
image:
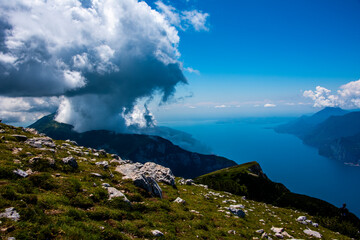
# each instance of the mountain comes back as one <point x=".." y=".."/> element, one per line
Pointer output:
<point x="54" y="189"/>
<point x="333" y="128"/>
<point x="249" y="180"/>
<point x="335" y="132"/>
<point x="137" y="147"/>
<point x="305" y="124"/>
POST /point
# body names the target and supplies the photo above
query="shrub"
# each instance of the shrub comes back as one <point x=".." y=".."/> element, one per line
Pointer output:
<point x="44" y="181"/>
<point x="81" y="201"/>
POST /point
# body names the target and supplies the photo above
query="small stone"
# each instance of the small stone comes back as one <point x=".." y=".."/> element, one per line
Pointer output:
<point x="114" y="193"/>
<point x="96" y="174"/>
<point x="105" y="164"/>
<point x="232" y="232"/>
<point x="105" y="185"/>
<point x="315" y="225"/>
<point x="179" y="200"/>
<point x="157" y="233"/>
<point x="260" y="231"/>
<point x="301" y="218"/>
<point x="20" y="173"/>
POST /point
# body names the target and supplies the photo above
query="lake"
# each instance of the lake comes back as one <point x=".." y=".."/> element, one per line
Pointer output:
<point x="284" y="158"/>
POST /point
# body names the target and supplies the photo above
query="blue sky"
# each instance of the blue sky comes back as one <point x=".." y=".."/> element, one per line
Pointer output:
<point x="269" y="52"/>
<point x="240" y="58"/>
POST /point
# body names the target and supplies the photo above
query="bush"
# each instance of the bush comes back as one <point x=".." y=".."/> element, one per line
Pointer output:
<point x="81" y="202"/>
<point x="6" y="173"/>
<point x="44" y="181"/>
<point x="76" y="214"/>
<point x="8" y="192"/>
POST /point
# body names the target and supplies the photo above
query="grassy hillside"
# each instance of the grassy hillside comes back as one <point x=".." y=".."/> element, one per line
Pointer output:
<point x="57" y="201"/>
<point x="249" y="180"/>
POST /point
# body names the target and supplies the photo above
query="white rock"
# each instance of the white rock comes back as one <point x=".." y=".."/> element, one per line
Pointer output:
<point x="301" y="218"/>
<point x="279" y="235"/>
<point x="103" y="163"/>
<point x="146" y="176"/>
<point x="114" y="193"/>
<point x="237" y="206"/>
<point x="260" y="231"/>
<point x="277" y="230"/>
<point x="10" y="213"/>
<point x="179" y="200"/>
<point x="157" y="233"/>
<point x="237" y="211"/>
<point x="71" y="161"/>
<point x="315" y="224"/>
<point x="312" y="233"/>
<point x="21" y="173"/>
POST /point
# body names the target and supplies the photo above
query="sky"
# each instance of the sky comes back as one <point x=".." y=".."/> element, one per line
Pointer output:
<point x="111" y="64"/>
<point x="269" y="52"/>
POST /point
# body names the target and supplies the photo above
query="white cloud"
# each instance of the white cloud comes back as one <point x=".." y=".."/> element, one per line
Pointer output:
<point x="101" y="57"/>
<point x="26" y="109"/>
<point x="348" y="96"/>
<point x="184" y="19"/>
<point x="191" y="70"/>
<point x="221" y="106"/>
<point x="269" y="105"/>
<point x="197" y="19"/>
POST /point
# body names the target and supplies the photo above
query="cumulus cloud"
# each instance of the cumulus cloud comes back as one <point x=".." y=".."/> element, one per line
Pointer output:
<point x="26" y="109"/>
<point x="184" y="19"/>
<point x="101" y="56"/>
<point x="269" y="105"/>
<point x="348" y="96"/>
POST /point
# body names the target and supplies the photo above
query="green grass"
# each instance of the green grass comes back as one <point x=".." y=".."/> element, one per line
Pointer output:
<point x="73" y="205"/>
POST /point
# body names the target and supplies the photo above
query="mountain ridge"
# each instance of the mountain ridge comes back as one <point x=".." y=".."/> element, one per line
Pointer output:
<point x="137" y="147"/>
<point x="336" y="137"/>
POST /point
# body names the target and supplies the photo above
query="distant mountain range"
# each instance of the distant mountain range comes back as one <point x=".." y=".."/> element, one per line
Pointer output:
<point x="137" y="147"/>
<point x="334" y="131"/>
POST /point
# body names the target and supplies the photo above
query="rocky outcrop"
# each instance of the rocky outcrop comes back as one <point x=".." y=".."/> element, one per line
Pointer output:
<point x="40" y="142"/>
<point x="71" y="161"/>
<point x="146" y="175"/>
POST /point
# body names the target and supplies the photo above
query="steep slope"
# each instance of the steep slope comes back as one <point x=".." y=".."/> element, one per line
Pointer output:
<point x="303" y="125"/>
<point x="58" y="199"/>
<point x="249" y="180"/>
<point x="139" y="148"/>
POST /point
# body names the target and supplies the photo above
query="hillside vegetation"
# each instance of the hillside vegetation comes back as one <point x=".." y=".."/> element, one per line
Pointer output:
<point x="65" y="195"/>
<point x="249" y="180"/>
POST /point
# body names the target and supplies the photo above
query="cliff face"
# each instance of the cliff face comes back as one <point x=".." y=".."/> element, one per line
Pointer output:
<point x="138" y="148"/>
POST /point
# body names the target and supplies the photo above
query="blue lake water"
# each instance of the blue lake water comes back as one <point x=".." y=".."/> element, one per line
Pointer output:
<point x="284" y="158"/>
